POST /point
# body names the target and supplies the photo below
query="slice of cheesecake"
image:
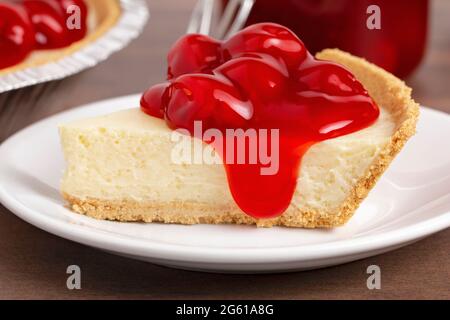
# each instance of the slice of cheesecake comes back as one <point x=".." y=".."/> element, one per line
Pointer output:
<point x="119" y="166"/>
<point x="102" y="16"/>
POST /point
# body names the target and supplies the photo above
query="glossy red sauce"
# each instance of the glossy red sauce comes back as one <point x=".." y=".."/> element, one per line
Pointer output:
<point x="16" y="35"/>
<point x="29" y="25"/>
<point x="261" y="78"/>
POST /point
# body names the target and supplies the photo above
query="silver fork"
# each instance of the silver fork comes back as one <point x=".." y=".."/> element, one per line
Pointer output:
<point x="208" y="18"/>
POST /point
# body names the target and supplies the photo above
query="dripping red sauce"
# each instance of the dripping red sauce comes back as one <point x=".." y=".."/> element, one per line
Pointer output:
<point x="28" y="25"/>
<point x="261" y="78"/>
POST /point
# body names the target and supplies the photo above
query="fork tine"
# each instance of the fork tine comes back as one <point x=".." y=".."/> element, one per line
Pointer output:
<point x="241" y="17"/>
<point x="194" y="22"/>
<point x="208" y="9"/>
<point x="226" y="18"/>
<point x="201" y="17"/>
<point x="232" y="20"/>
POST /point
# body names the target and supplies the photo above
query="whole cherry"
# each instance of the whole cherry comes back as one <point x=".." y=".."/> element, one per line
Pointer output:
<point x="207" y="98"/>
<point x="194" y="53"/>
<point x="329" y="77"/>
<point x="152" y="101"/>
<point x="16" y="35"/>
<point x="256" y="78"/>
<point x="76" y="13"/>
<point x="269" y="38"/>
<point x="48" y="19"/>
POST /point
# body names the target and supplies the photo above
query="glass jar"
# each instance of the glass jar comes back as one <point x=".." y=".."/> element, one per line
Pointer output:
<point x="398" y="46"/>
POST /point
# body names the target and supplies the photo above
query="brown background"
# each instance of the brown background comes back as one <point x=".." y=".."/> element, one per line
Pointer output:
<point x="33" y="263"/>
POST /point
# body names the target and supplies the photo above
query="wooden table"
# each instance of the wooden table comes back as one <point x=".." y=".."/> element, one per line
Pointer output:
<point x="33" y="263"/>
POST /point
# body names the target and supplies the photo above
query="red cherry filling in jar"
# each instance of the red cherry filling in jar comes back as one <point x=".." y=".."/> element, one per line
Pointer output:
<point x="263" y="82"/>
<point x="39" y="24"/>
<point x="397" y="44"/>
<point x="16" y="35"/>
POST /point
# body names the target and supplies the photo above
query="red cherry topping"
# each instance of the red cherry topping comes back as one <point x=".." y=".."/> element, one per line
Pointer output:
<point x="268" y="38"/>
<point x="16" y="35"/>
<point x="200" y="54"/>
<point x="329" y="77"/>
<point x="262" y="78"/>
<point x="272" y="77"/>
<point x="152" y="100"/>
<point x="49" y="22"/>
<point x="71" y="8"/>
<point x="206" y="98"/>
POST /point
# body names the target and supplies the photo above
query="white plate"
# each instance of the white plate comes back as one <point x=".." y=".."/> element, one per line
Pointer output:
<point x="410" y="202"/>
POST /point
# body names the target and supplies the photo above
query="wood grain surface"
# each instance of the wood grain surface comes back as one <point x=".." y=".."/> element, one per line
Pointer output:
<point x="33" y="263"/>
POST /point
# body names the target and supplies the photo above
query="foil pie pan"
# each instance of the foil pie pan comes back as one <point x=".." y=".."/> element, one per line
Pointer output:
<point x="133" y="17"/>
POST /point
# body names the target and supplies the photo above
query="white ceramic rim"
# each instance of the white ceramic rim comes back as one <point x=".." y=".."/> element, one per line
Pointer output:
<point x="132" y="20"/>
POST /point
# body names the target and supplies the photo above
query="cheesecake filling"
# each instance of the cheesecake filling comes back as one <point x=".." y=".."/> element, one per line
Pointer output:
<point x="261" y="100"/>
